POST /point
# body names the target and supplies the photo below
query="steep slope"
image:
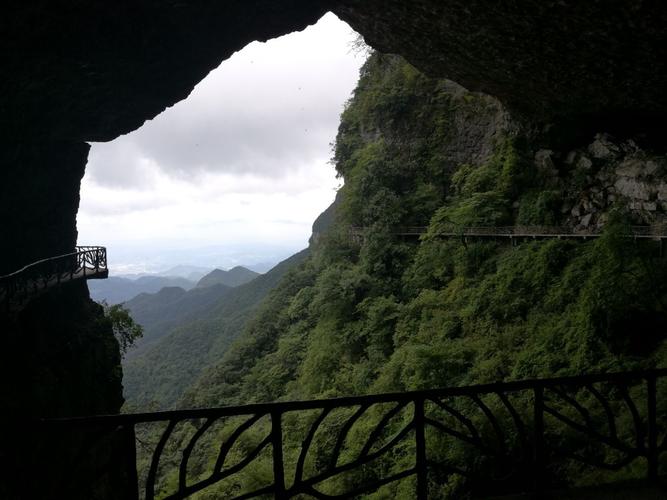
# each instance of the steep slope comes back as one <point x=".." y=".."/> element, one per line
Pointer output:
<point x="378" y="312"/>
<point x="116" y="289"/>
<point x="385" y="313"/>
<point x="158" y="374"/>
<point x="236" y="276"/>
<point x="160" y="312"/>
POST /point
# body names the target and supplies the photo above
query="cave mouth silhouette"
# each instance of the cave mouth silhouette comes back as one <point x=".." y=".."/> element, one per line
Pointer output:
<point x="242" y="164"/>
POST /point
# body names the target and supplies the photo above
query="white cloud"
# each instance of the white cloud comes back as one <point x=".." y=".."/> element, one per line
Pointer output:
<point x="271" y="108"/>
<point x="239" y="170"/>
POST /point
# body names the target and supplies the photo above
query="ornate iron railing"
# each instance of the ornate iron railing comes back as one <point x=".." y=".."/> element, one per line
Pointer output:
<point x="488" y="440"/>
<point x="656" y="231"/>
<point x="86" y="262"/>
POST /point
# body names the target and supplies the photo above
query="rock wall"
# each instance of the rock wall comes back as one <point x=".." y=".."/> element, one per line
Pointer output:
<point x="60" y="359"/>
<point x="547" y="59"/>
<point x="39" y="199"/>
<point x="606" y="174"/>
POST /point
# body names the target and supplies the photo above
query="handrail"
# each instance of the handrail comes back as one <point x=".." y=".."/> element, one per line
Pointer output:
<point x="88" y="262"/>
<point x="247" y="409"/>
<point x="517" y="432"/>
<point x="42" y="261"/>
<point x="654" y="231"/>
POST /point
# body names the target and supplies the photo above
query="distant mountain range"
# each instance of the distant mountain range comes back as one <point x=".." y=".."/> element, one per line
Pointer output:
<point x="192" y="273"/>
<point x="117" y="289"/>
<point x="159" y="312"/>
<point x="234" y="277"/>
<point x="186" y="332"/>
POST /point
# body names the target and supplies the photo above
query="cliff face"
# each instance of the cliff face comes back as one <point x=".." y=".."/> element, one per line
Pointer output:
<point x="61" y="359"/>
<point x="385" y="313"/>
<point x="418" y="151"/>
<point x="65" y="359"/>
<point x="608" y="173"/>
<point x="39" y="193"/>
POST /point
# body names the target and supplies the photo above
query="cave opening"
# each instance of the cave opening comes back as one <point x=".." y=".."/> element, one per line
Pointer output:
<point x="233" y="175"/>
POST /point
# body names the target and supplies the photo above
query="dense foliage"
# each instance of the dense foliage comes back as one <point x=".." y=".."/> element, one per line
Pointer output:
<point x="379" y="313"/>
<point x="186" y="333"/>
<point x="125" y="329"/>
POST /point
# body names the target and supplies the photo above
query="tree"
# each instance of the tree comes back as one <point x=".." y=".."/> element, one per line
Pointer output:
<point x="125" y="329"/>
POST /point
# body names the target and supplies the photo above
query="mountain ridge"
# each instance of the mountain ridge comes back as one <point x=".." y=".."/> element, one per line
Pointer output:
<point x="235" y="276"/>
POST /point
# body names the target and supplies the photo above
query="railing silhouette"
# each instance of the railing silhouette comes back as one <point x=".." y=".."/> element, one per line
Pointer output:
<point x="495" y="439"/>
<point x="655" y="232"/>
<point x="19" y="287"/>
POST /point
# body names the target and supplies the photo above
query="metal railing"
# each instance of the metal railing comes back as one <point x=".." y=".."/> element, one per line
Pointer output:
<point x="656" y="231"/>
<point x="524" y="436"/>
<point x="86" y="262"/>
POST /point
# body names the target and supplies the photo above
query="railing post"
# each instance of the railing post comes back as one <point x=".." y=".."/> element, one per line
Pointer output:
<point x="420" y="445"/>
<point x="538" y="440"/>
<point x="277" y="445"/>
<point x="652" y="454"/>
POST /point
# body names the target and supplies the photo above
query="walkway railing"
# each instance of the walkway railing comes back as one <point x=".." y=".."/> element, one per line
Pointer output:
<point x="18" y="287"/>
<point x="525" y="436"/>
<point x="657" y="231"/>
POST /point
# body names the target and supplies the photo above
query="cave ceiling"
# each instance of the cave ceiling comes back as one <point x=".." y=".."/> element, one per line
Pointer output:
<point x="93" y="70"/>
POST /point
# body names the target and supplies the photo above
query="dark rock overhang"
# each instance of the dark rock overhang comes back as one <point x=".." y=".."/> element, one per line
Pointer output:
<point x="92" y="70"/>
<point x="546" y="59"/>
<point x="95" y="69"/>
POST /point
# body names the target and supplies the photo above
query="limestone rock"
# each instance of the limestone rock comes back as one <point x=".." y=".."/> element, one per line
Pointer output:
<point x="602" y="148"/>
<point x="584" y="163"/>
<point x="632" y="188"/>
<point x="662" y="191"/>
<point x="630" y="168"/>
<point x="586" y="220"/>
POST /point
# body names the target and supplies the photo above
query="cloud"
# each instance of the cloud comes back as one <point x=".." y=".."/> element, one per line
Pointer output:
<point x="270" y="109"/>
<point x="241" y="166"/>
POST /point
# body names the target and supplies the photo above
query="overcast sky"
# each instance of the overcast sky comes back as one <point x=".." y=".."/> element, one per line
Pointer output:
<point x="234" y="174"/>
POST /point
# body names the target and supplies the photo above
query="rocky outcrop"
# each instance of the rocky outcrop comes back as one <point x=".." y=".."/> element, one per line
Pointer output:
<point x="608" y="173"/>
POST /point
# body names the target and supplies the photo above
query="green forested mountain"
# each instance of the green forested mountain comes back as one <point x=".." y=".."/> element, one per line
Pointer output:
<point x="158" y="313"/>
<point x="115" y="289"/>
<point x="204" y="322"/>
<point x="378" y="312"/>
<point x="385" y="314"/>
<point x="236" y="276"/>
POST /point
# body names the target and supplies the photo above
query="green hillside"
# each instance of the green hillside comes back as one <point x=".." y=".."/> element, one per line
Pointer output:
<point x="206" y="321"/>
<point x="115" y="290"/>
<point x="236" y="276"/>
<point x="158" y="313"/>
<point x="380" y="313"/>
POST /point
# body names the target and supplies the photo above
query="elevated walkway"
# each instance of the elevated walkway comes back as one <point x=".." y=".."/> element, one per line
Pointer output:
<point x="19" y="287"/>
<point x="654" y="232"/>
